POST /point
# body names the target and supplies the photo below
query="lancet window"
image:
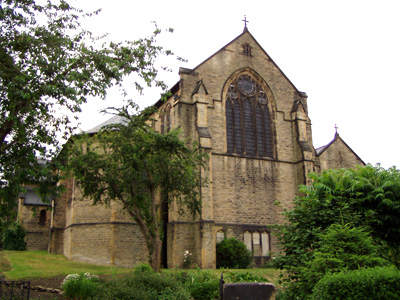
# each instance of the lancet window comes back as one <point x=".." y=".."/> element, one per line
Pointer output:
<point x="165" y="118"/>
<point x="248" y="122"/>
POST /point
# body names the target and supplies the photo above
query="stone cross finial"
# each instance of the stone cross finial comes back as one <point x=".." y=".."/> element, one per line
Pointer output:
<point x="245" y="22"/>
<point x="336" y="128"/>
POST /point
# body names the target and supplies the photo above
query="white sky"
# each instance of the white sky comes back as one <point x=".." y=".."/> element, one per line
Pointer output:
<point x="344" y="54"/>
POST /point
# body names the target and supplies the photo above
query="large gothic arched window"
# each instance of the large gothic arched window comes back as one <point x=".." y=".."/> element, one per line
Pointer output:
<point x="248" y="122"/>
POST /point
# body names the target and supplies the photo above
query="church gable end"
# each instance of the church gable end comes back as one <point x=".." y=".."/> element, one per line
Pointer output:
<point x="337" y="154"/>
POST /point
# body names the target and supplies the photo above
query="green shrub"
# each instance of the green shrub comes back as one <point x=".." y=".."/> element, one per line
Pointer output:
<point x="232" y="253"/>
<point x="340" y="247"/>
<point x="206" y="290"/>
<point x="143" y="285"/>
<point x="82" y="286"/>
<point x="14" y="237"/>
<point x="143" y="268"/>
<point x="183" y="277"/>
<point x="367" y="283"/>
<point x="243" y="277"/>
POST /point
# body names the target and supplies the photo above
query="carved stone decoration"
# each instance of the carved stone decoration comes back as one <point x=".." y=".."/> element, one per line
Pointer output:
<point x="262" y="97"/>
<point x="246" y="86"/>
<point x="232" y="93"/>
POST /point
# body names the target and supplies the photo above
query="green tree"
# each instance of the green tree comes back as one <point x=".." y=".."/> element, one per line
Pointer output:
<point x="49" y="64"/>
<point x="131" y="163"/>
<point x="340" y="248"/>
<point x="232" y="253"/>
<point x="365" y="196"/>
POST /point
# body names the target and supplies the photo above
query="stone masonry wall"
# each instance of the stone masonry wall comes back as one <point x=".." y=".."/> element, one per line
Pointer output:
<point x="339" y="155"/>
<point x="37" y="233"/>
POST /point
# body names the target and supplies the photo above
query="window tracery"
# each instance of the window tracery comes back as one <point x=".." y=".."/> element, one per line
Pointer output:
<point x="248" y="121"/>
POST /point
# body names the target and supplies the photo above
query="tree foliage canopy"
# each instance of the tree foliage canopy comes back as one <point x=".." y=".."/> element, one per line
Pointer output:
<point x="131" y="163"/>
<point x="49" y="66"/>
<point x="366" y="197"/>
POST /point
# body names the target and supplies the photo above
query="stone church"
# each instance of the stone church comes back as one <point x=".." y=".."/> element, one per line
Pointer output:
<point x="253" y="122"/>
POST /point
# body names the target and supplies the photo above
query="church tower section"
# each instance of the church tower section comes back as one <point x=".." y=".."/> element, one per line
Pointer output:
<point x="253" y="122"/>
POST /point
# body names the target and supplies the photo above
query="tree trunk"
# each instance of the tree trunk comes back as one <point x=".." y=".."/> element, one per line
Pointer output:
<point x="156" y="254"/>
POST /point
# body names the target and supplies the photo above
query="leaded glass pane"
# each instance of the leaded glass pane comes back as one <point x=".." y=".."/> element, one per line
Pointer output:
<point x="268" y="134"/>
<point x="237" y="119"/>
<point x="248" y="124"/>
<point x="260" y="131"/>
<point x="248" y="127"/>
<point x="246" y="85"/>
<point x="229" y="127"/>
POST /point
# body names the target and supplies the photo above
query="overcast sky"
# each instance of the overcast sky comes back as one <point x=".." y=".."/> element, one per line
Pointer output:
<point x="344" y="54"/>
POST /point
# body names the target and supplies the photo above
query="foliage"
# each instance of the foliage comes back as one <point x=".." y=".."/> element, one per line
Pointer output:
<point x="14" y="237"/>
<point x="205" y="285"/>
<point x="204" y="290"/>
<point x="345" y="247"/>
<point x="143" y="286"/>
<point x="232" y="253"/>
<point x="131" y="163"/>
<point x="80" y="286"/>
<point x="366" y="197"/>
<point x="340" y="247"/>
<point x="365" y="283"/>
<point x="243" y="277"/>
<point x="49" y="67"/>
<point x="200" y="284"/>
<point x="143" y="268"/>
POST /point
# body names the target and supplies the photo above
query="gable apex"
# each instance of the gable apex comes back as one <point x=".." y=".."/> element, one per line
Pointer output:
<point x="244" y="33"/>
<point x="319" y="151"/>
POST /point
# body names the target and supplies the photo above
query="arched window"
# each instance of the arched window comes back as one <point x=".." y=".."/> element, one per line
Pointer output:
<point x="168" y="117"/>
<point x="165" y="118"/>
<point x="220" y="236"/>
<point x="248" y="121"/>
<point x="162" y="119"/>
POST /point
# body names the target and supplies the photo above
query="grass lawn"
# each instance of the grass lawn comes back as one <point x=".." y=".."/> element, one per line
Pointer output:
<point x="16" y="265"/>
<point x="40" y="264"/>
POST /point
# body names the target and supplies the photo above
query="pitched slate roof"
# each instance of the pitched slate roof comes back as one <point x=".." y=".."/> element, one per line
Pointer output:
<point x="31" y="198"/>
<point x="113" y="120"/>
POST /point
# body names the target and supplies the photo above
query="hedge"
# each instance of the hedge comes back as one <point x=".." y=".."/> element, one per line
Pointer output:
<point x="365" y="283"/>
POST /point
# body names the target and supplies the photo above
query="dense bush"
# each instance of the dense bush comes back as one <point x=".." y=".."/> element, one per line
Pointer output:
<point x="14" y="237"/>
<point x="366" y="197"/>
<point x="80" y="286"/>
<point x="204" y="290"/>
<point x="340" y="247"/>
<point x="143" y="284"/>
<point x="366" y="283"/>
<point x="202" y="285"/>
<point x="233" y="254"/>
